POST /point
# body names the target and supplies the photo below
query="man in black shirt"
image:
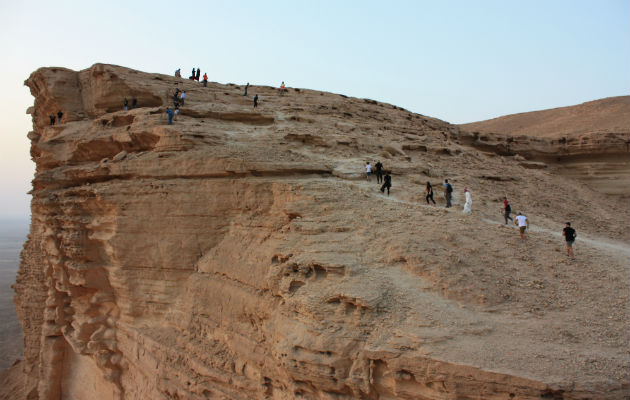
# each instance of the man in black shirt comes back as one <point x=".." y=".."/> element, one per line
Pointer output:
<point x="569" y="235"/>
<point x="379" y="172"/>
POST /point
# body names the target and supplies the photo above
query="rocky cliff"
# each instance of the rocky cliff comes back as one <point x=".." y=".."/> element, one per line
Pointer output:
<point x="240" y="253"/>
<point x="589" y="142"/>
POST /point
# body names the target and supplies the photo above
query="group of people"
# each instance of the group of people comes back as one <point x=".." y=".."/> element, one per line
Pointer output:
<point x="520" y="220"/>
<point x="134" y="104"/>
<point x="194" y="76"/>
<point x="58" y="119"/>
<point x="385" y="180"/>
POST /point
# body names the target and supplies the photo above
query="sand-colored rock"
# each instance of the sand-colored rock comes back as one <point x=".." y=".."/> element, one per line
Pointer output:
<point x="240" y="254"/>
<point x="589" y="142"/>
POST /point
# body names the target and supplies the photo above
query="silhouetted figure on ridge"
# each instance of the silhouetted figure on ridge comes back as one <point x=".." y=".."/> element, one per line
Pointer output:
<point x="255" y="101"/>
<point x="205" y="79"/>
<point x="198" y="75"/>
<point x="246" y="86"/>
<point x="192" y="77"/>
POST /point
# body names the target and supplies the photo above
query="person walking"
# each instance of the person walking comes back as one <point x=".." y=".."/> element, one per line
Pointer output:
<point x="468" y="203"/>
<point x="52" y="119"/>
<point x="198" y="74"/>
<point x="169" y="112"/>
<point x="246" y="87"/>
<point x="429" y="196"/>
<point x="379" y="172"/>
<point x="182" y="97"/>
<point x="448" y="193"/>
<point x="59" y="115"/>
<point x="368" y="171"/>
<point x="507" y="209"/>
<point x="387" y="184"/>
<point x="523" y="224"/>
<point x="255" y="101"/>
<point x="205" y="79"/>
<point x="569" y="235"/>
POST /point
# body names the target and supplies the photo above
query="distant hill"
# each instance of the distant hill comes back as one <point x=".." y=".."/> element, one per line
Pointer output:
<point x="611" y="114"/>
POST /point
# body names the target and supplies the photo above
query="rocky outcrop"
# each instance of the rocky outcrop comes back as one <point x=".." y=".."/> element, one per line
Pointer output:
<point x="240" y="254"/>
<point x="590" y="141"/>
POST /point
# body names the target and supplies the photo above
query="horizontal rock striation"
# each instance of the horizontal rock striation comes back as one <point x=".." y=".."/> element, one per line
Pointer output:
<point x="589" y="142"/>
<point x="240" y="254"/>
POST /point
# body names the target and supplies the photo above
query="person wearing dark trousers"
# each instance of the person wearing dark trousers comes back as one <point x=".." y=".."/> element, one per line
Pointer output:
<point x="255" y="101"/>
<point x="379" y="171"/>
<point x="126" y="105"/>
<point x="198" y="74"/>
<point x="569" y="235"/>
<point x="59" y="115"/>
<point x="430" y="193"/>
<point x="192" y="77"/>
<point x="448" y="193"/>
<point x="507" y="209"/>
<point x="205" y="80"/>
<point x="246" y="86"/>
<point x="169" y="112"/>
<point x="52" y="120"/>
<point x="387" y="184"/>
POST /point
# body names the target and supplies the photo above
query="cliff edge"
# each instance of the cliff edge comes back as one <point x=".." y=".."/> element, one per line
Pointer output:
<point x="240" y="253"/>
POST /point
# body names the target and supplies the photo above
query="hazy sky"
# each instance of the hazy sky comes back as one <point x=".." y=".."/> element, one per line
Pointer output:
<point x="459" y="61"/>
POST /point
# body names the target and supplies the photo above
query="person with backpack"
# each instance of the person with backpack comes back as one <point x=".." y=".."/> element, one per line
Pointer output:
<point x="430" y="193"/>
<point x="379" y="172"/>
<point x="569" y="235"/>
<point x="507" y="209"/>
<point x="448" y="193"/>
<point x="388" y="182"/>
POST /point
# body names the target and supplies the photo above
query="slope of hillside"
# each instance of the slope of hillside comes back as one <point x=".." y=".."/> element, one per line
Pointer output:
<point x="240" y="253"/>
<point x="589" y="142"/>
<point x="611" y="114"/>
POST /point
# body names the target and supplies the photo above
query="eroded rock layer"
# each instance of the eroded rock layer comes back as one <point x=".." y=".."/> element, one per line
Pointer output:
<point x="589" y="142"/>
<point x="241" y="254"/>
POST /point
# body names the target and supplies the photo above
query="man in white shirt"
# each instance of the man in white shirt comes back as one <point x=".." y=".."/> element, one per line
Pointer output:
<point x="368" y="171"/>
<point x="523" y="223"/>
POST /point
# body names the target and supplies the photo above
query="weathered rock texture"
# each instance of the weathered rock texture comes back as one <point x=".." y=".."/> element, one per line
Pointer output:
<point x="240" y="254"/>
<point x="590" y="141"/>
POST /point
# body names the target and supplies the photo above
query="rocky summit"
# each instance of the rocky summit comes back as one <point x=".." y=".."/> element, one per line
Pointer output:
<point x="241" y="253"/>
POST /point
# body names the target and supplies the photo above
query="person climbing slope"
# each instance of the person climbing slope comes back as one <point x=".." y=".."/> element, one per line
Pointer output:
<point x="507" y="209"/>
<point x="379" y="172"/>
<point x="468" y="203"/>
<point x="430" y="193"/>
<point x="523" y="224"/>
<point x="255" y="101"/>
<point x="169" y="112"/>
<point x="569" y="235"/>
<point x="388" y="182"/>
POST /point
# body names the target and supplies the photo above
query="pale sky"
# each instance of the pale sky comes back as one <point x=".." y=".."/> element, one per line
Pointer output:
<point x="460" y="61"/>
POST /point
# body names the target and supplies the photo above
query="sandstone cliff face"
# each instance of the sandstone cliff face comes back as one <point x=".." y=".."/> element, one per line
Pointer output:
<point x="240" y="254"/>
<point x="589" y="142"/>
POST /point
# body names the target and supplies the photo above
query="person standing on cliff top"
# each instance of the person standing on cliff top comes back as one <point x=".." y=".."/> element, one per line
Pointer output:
<point x="368" y="171"/>
<point x="205" y="79"/>
<point x="59" y="115"/>
<point x="169" y="112"/>
<point x="569" y="235"/>
<point x="246" y="86"/>
<point x="178" y="73"/>
<point x="52" y="120"/>
<point x="523" y="224"/>
<point x="388" y="182"/>
<point x="379" y="171"/>
<point x="192" y="77"/>
<point x="255" y="101"/>
<point x="198" y="74"/>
